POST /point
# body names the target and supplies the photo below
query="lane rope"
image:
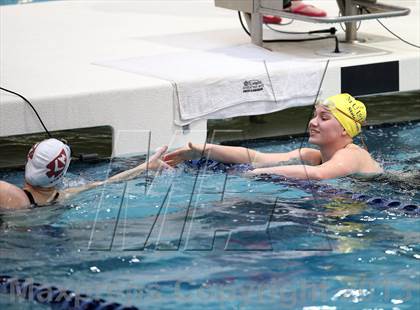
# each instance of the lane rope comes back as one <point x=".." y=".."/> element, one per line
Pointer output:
<point x="54" y="297"/>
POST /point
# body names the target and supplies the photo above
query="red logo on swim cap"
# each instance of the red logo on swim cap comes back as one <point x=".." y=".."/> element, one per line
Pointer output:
<point x="57" y="165"/>
<point x="32" y="151"/>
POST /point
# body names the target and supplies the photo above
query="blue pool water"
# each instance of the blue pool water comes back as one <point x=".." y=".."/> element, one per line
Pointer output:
<point x="276" y="246"/>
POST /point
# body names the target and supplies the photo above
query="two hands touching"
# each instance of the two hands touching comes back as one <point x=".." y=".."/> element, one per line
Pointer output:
<point x="182" y="154"/>
<point x="160" y="160"/>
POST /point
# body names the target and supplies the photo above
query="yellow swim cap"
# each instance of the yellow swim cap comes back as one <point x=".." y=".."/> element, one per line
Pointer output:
<point x="350" y="112"/>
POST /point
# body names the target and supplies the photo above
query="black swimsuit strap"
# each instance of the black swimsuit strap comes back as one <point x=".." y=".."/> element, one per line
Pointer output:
<point x="56" y="196"/>
<point x="30" y="197"/>
<point x="32" y="200"/>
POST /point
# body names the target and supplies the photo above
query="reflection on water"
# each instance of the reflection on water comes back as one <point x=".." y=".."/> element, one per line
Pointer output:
<point x="405" y="181"/>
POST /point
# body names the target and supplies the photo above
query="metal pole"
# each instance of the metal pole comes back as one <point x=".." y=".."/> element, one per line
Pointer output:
<point x="351" y="27"/>
<point x="256" y="24"/>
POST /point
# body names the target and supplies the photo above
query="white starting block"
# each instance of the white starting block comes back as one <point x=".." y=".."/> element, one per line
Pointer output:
<point x="351" y="12"/>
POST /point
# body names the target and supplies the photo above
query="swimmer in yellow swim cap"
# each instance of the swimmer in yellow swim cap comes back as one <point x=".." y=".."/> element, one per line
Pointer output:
<point x="335" y="122"/>
<point x="349" y="112"/>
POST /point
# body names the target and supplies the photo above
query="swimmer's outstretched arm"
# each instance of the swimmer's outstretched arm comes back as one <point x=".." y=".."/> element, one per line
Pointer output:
<point x="237" y="155"/>
<point x="340" y="165"/>
<point x="154" y="163"/>
<point x="225" y="154"/>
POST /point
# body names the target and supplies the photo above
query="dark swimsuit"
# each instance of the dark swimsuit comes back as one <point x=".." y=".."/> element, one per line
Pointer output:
<point x="32" y="200"/>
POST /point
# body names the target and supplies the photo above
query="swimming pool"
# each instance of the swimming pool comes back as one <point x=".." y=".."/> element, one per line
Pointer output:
<point x="245" y="243"/>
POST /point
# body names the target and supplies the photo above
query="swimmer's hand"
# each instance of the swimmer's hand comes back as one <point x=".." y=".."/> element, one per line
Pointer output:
<point x="189" y="152"/>
<point x="155" y="162"/>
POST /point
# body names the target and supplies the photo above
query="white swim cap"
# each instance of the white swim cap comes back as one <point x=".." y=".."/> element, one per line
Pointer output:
<point x="47" y="163"/>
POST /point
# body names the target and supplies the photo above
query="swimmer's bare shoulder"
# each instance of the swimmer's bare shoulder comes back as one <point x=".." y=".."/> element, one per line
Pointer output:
<point x="366" y="164"/>
<point x="12" y="197"/>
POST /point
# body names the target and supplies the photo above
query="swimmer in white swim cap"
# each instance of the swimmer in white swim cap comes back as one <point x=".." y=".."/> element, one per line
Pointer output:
<point x="47" y="164"/>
